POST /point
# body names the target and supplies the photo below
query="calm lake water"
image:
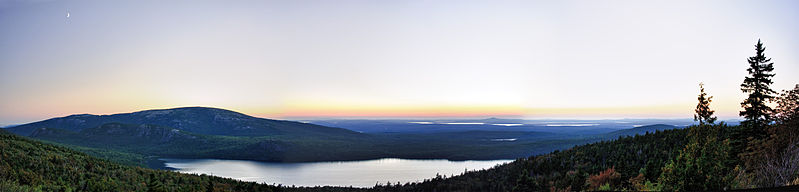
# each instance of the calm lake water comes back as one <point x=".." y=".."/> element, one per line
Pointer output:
<point x="341" y="173"/>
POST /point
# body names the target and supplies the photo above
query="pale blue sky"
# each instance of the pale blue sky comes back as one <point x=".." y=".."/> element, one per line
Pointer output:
<point x="282" y="59"/>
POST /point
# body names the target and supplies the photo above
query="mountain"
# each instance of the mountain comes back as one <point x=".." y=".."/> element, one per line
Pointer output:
<point x="127" y="135"/>
<point x="200" y="120"/>
<point x="200" y="132"/>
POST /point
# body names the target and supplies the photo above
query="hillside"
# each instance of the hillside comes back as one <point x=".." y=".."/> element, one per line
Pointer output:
<point x="568" y="169"/>
<point x="698" y="158"/>
<point x="200" y="120"/>
<point x="27" y="165"/>
<point x="169" y="142"/>
<point x="143" y="138"/>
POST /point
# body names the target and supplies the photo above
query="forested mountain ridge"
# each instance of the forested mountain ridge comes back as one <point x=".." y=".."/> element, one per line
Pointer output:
<point x="170" y="142"/>
<point x="139" y="138"/>
<point x="201" y="120"/>
<point x="110" y="132"/>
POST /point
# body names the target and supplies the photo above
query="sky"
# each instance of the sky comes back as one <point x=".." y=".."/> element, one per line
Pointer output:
<point x="388" y="59"/>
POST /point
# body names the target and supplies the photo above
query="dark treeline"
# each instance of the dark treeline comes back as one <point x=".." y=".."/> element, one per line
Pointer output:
<point x="28" y="165"/>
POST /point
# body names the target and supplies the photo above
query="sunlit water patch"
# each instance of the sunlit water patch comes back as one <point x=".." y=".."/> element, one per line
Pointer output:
<point x="572" y="125"/>
<point x="508" y="124"/>
<point x="510" y="139"/>
<point x="465" y="123"/>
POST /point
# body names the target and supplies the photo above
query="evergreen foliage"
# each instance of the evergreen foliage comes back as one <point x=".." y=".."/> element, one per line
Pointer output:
<point x="756" y="112"/>
<point x="27" y="165"/>
<point x="705" y="163"/>
<point x="703" y="113"/>
<point x="640" y="156"/>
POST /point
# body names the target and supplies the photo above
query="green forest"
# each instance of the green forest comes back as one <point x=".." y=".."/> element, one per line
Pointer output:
<point x="761" y="152"/>
<point x="28" y="165"/>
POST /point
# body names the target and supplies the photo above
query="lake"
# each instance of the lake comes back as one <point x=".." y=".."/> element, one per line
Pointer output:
<point x="339" y="173"/>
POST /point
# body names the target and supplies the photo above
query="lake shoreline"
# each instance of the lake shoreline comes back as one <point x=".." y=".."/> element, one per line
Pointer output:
<point x="363" y="173"/>
<point x="157" y="162"/>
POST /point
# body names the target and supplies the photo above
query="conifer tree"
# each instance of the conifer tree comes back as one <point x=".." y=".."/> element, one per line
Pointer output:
<point x="703" y="113"/>
<point x="756" y="113"/>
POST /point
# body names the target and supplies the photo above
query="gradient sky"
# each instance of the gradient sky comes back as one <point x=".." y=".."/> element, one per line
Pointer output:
<point x="297" y="59"/>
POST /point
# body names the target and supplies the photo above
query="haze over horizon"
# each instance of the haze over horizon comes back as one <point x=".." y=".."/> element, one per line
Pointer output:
<point x="378" y="59"/>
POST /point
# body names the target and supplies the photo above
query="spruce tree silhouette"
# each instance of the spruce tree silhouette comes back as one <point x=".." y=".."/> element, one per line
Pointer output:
<point x="756" y="113"/>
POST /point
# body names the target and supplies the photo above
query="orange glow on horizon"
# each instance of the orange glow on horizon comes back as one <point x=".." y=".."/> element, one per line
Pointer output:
<point x="400" y="111"/>
<point x="661" y="111"/>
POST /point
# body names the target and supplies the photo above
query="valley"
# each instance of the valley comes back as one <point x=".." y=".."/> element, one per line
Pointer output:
<point x="199" y="132"/>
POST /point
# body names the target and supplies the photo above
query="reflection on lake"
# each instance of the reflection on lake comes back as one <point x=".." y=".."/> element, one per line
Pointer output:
<point x="340" y="173"/>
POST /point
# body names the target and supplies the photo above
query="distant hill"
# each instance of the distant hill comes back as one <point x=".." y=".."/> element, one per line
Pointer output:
<point x="570" y="127"/>
<point x="201" y="120"/>
<point x="642" y="130"/>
